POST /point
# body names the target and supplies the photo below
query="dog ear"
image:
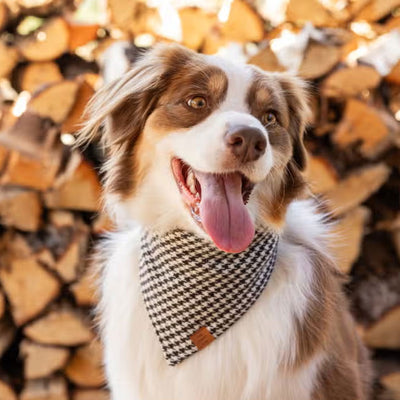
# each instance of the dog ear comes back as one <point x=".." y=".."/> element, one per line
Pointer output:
<point x="295" y="92"/>
<point x="119" y="110"/>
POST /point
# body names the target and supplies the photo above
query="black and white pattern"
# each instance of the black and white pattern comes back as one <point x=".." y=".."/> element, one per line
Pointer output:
<point x="187" y="283"/>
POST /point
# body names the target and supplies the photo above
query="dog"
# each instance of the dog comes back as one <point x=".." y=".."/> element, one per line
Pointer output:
<point x="198" y="144"/>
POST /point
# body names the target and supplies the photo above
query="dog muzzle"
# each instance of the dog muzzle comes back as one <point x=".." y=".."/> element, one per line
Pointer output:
<point x="194" y="292"/>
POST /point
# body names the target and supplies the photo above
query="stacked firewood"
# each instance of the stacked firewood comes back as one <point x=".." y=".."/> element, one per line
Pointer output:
<point x="54" y="55"/>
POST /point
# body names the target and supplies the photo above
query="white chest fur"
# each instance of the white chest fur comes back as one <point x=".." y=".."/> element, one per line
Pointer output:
<point x="245" y="363"/>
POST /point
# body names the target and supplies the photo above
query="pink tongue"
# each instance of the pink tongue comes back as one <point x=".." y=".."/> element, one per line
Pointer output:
<point x="223" y="214"/>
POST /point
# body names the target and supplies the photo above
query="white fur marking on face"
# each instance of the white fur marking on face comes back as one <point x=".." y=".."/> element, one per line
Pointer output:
<point x="202" y="146"/>
<point x="239" y="81"/>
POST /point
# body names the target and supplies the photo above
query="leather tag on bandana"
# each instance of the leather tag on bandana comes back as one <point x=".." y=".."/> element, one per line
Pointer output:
<point x="202" y="338"/>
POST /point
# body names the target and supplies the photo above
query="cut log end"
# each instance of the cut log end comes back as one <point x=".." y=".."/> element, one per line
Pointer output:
<point x="37" y="74"/>
<point x="20" y="208"/>
<point x="356" y="188"/>
<point x="85" y="367"/>
<point x="385" y="333"/>
<point x="55" y="101"/>
<point x="45" y="389"/>
<point x="347" y="237"/>
<point x="6" y="392"/>
<point x="42" y="361"/>
<point x="64" y="327"/>
<point x="29" y="288"/>
<point x="47" y="43"/>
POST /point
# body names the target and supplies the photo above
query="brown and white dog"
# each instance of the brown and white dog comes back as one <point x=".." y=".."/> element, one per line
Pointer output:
<point x="191" y="140"/>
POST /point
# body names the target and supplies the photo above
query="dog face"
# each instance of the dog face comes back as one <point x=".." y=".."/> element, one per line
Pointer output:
<point x="198" y="143"/>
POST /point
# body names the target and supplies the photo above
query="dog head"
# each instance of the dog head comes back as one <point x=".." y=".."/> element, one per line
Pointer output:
<point x="196" y="142"/>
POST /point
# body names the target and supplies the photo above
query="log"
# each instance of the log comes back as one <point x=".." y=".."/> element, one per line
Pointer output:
<point x="196" y="24"/>
<point x="75" y="117"/>
<point x="394" y="75"/>
<point x="67" y="267"/>
<point x="29" y="288"/>
<point x="7" y="117"/>
<point x="85" y="367"/>
<point x="37" y="74"/>
<point x="42" y="361"/>
<point x="377" y="9"/>
<point x="3" y="157"/>
<point x="6" y="392"/>
<point x="365" y="124"/>
<point x="46" y="43"/>
<point x="355" y="6"/>
<point x="396" y="241"/>
<point x="45" y="389"/>
<point x="133" y="17"/>
<point x="2" y="304"/>
<point x="42" y="7"/>
<point x="45" y="257"/>
<point x="61" y="219"/>
<point x="394" y="106"/>
<point x="122" y="12"/>
<point x="60" y="327"/>
<point x="31" y="172"/>
<point x="90" y="395"/>
<point x="7" y="335"/>
<point x="357" y="187"/>
<point x="80" y="192"/>
<point x="267" y="60"/>
<point x="4" y="15"/>
<point x="213" y="42"/>
<point x="85" y="290"/>
<point x="347" y="82"/>
<point x="391" y="23"/>
<point x="81" y="34"/>
<point x="31" y="135"/>
<point x="318" y="60"/>
<point x="243" y="24"/>
<point x="320" y="174"/>
<point x="14" y="245"/>
<point x="8" y="59"/>
<point x="392" y="383"/>
<point x="20" y="208"/>
<point x="347" y="237"/>
<point x="385" y="333"/>
<point x="102" y="224"/>
<point x="55" y="101"/>
<point x="391" y="224"/>
<point x="300" y="11"/>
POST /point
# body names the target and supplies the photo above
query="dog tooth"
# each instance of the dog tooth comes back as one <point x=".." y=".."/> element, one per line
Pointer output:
<point x="190" y="181"/>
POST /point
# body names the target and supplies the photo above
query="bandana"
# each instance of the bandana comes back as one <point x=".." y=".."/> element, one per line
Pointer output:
<point x="194" y="292"/>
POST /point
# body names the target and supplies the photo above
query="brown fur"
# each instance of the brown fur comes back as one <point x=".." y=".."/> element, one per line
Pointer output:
<point x="313" y="329"/>
<point x="172" y="111"/>
<point x="328" y="328"/>
<point x="286" y="96"/>
<point x="345" y="375"/>
<point x="153" y="94"/>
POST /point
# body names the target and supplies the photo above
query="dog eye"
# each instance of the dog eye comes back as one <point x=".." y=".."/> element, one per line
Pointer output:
<point x="197" y="102"/>
<point x="269" y="118"/>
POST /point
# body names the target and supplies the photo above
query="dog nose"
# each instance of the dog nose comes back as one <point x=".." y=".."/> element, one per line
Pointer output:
<point x="246" y="143"/>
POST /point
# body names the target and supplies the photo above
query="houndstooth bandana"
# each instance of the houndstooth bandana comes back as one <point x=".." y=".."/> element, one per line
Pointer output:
<point x="194" y="292"/>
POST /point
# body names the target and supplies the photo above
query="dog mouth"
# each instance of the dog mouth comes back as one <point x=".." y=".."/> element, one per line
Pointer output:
<point x="217" y="203"/>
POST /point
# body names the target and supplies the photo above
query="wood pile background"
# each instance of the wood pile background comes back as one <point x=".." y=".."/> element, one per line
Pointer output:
<point x="51" y="58"/>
